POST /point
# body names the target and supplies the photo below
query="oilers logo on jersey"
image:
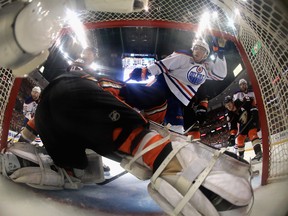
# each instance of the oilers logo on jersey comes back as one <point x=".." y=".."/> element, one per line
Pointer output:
<point x="197" y="75"/>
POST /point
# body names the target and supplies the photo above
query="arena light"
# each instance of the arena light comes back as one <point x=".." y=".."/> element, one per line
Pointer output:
<point x="77" y="27"/>
<point x="215" y="15"/>
<point x="94" y="66"/>
<point x="221" y="117"/>
<point x="212" y="57"/>
<point x="231" y="23"/>
<point x="237" y="70"/>
<point x="219" y="128"/>
<point x="41" y="69"/>
<point x="237" y="12"/>
<point x="203" y="24"/>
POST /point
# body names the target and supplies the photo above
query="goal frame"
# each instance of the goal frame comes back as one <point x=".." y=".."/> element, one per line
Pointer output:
<point x="172" y="25"/>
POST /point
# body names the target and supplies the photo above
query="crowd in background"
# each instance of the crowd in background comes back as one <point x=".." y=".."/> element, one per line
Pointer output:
<point x="16" y="122"/>
<point x="212" y="123"/>
<point x="216" y="119"/>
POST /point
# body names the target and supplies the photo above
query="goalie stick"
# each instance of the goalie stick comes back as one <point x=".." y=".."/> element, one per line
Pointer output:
<point x="112" y="178"/>
<point x="162" y="126"/>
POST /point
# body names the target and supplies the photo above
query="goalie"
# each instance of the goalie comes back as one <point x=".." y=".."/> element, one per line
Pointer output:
<point x="76" y="113"/>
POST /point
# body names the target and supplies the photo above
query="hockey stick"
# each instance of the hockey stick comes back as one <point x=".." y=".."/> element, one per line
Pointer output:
<point x="186" y="131"/>
<point x="113" y="178"/>
<point x="162" y="126"/>
<point x="127" y="79"/>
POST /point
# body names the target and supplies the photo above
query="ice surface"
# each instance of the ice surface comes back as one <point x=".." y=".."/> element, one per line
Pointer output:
<point x="124" y="196"/>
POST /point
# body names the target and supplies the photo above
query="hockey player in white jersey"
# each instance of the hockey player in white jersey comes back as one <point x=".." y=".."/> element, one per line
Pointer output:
<point x="178" y="75"/>
<point x="30" y="104"/>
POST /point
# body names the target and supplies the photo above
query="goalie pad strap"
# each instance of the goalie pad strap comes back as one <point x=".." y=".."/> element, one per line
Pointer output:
<point x="164" y="189"/>
<point x="198" y="182"/>
<point x="140" y="169"/>
<point x="144" y="151"/>
<point x="166" y="161"/>
<point x="189" y="175"/>
<point x="168" y="197"/>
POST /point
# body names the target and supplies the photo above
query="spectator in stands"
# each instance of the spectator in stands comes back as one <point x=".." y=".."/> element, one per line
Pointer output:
<point x="30" y="104"/>
<point x="245" y="114"/>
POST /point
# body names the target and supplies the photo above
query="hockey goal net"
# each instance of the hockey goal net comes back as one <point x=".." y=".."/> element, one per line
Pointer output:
<point x="258" y="28"/>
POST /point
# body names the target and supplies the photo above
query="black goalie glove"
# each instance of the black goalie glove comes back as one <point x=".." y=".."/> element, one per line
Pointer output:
<point x="231" y="140"/>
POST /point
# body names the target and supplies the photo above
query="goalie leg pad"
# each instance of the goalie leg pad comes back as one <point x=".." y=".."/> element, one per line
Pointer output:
<point x="168" y="197"/>
<point x="9" y="164"/>
<point x="37" y="169"/>
<point x="224" y="176"/>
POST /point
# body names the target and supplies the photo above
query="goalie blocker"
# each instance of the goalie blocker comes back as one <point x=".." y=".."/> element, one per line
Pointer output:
<point x="187" y="178"/>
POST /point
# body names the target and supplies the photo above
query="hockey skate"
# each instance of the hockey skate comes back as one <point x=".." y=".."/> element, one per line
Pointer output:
<point x="106" y="168"/>
<point x="257" y="158"/>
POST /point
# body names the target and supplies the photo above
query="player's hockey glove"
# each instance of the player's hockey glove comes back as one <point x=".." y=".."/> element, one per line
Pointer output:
<point x="254" y="118"/>
<point x="231" y="140"/>
<point x="201" y="114"/>
<point x="219" y="46"/>
<point x="139" y="74"/>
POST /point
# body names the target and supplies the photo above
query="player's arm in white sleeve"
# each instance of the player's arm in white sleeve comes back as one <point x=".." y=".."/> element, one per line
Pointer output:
<point x="234" y="97"/>
<point x="217" y="70"/>
<point x="170" y="63"/>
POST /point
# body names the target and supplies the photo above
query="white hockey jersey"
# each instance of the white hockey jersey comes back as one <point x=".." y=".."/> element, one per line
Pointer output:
<point x="241" y="95"/>
<point x="184" y="76"/>
<point x="29" y="107"/>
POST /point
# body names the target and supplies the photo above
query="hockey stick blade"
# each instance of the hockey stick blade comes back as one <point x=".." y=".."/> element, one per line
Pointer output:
<point x="112" y="178"/>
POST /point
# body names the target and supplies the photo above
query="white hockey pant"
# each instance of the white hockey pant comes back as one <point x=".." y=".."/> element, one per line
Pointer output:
<point x="26" y="163"/>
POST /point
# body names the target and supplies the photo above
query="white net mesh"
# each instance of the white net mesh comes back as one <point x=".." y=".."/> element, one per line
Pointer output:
<point x="261" y="27"/>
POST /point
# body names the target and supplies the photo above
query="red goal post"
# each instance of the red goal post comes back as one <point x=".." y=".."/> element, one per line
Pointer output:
<point x="259" y="32"/>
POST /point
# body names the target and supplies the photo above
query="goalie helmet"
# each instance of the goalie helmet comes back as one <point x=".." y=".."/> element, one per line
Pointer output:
<point x="201" y="43"/>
